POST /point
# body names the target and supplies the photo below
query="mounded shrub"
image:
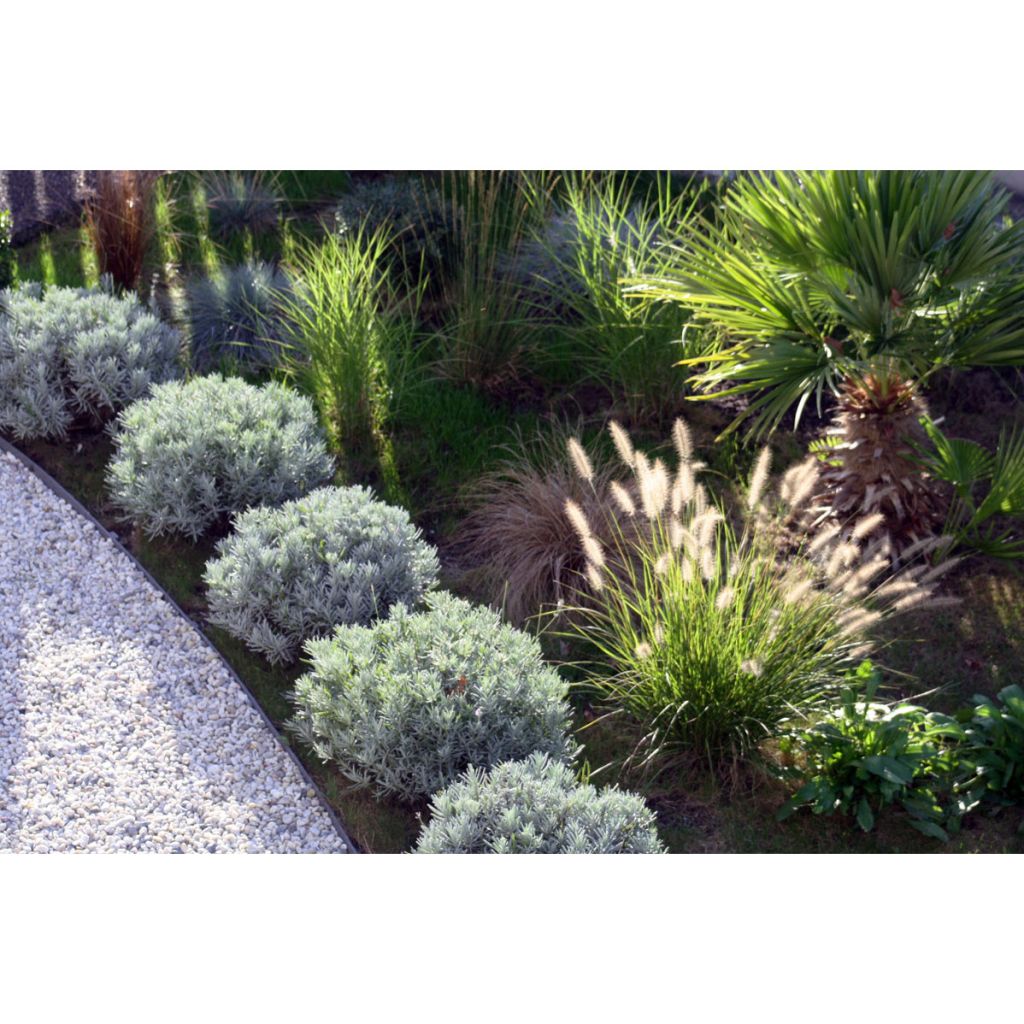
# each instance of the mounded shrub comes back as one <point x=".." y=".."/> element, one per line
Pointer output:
<point x="536" y="806"/>
<point x="406" y="705"/>
<point x="69" y="353"/>
<point x="236" y="316"/>
<point x="194" y="453"/>
<point x="335" y="557"/>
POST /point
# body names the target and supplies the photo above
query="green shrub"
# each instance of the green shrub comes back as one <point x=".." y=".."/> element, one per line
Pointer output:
<point x="535" y="806"/>
<point x="73" y="353"/>
<point x="713" y="639"/>
<point x="7" y="260"/>
<point x="194" y="453"/>
<point x="408" y="703"/>
<point x="865" y="756"/>
<point x="335" y="557"/>
<point x="993" y="748"/>
<point x="349" y="334"/>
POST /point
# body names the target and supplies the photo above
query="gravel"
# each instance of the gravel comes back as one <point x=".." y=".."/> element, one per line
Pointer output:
<point x="120" y="730"/>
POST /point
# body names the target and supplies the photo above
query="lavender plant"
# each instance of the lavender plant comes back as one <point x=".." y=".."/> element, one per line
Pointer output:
<point x="407" y="704"/>
<point x="335" y="557"/>
<point x="194" y="453"/>
<point x="535" y="806"/>
<point x="70" y="355"/>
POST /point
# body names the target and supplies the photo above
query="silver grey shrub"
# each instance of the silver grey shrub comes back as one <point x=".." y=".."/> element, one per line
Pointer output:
<point x="536" y="806"/>
<point x="236" y="317"/>
<point x="194" y="453"/>
<point x="70" y="354"/>
<point x="335" y="557"/>
<point x="407" y="704"/>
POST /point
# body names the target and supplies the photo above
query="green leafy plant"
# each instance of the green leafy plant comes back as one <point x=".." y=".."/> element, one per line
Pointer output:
<point x="993" y="748"/>
<point x="535" y="806"/>
<point x="349" y="333"/>
<point x="336" y="556"/>
<point x="407" y="704"/>
<point x="713" y="639"/>
<point x="862" y="284"/>
<point x="865" y="756"/>
<point x="985" y="485"/>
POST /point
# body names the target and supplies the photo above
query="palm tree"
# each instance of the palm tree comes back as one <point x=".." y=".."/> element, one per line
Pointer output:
<point x="863" y="284"/>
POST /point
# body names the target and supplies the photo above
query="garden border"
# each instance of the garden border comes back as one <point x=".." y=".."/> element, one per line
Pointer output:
<point x="64" y="495"/>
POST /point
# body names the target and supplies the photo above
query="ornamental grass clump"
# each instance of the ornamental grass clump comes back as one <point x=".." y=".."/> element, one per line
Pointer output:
<point x="606" y="230"/>
<point x="120" y="220"/>
<point x="711" y="636"/>
<point x="195" y="453"/>
<point x="405" y="705"/>
<point x="236" y="316"/>
<point x="335" y="557"/>
<point x="240" y="201"/>
<point x="72" y="356"/>
<point x="536" y="806"/>
<point x="517" y="531"/>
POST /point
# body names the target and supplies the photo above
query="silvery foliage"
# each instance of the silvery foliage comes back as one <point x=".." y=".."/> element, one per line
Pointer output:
<point x="536" y="806"/>
<point x="73" y="353"/>
<point x="194" y="453"/>
<point x="237" y="316"/>
<point x="335" y="557"/>
<point x="407" y="704"/>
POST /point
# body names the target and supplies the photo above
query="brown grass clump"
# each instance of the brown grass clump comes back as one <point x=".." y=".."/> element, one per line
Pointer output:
<point x="519" y="531"/>
<point x="120" y="220"/>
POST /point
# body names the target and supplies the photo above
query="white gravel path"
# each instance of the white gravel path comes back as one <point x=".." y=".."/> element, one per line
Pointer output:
<point x="119" y="729"/>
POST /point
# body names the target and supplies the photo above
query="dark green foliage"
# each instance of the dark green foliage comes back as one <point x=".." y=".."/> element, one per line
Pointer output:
<point x="866" y="756"/>
<point x="7" y="261"/>
<point x="994" y="747"/>
<point x="985" y="485"/>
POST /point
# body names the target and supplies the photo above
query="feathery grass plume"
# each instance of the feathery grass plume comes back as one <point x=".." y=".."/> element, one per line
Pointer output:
<point x="119" y="218"/>
<point x="580" y="460"/>
<point x="577" y="518"/>
<point x="594" y="552"/>
<point x="622" y="498"/>
<point x="759" y="477"/>
<point x="682" y="440"/>
<point x="517" y="544"/>
<point x="654" y="486"/>
<point x="738" y="637"/>
<point x="623" y="444"/>
<point x="866" y="526"/>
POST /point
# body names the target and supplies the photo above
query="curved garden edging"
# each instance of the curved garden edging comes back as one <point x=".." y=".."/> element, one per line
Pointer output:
<point x="51" y="484"/>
